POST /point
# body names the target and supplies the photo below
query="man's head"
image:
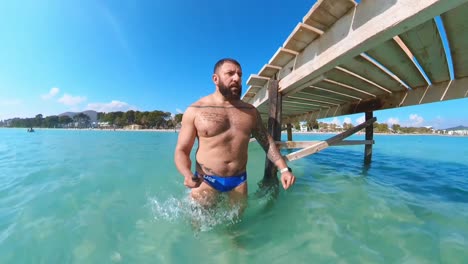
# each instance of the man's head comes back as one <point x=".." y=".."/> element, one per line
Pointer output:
<point x="227" y="77"/>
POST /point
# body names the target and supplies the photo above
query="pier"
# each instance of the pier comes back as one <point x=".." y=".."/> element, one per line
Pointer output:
<point x="345" y="58"/>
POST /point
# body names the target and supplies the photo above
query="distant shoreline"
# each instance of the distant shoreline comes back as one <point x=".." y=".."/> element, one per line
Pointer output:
<point x="376" y="133"/>
<point x="103" y="129"/>
<point x="177" y="131"/>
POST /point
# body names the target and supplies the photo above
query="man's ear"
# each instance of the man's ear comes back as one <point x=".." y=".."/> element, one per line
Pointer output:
<point x="215" y="78"/>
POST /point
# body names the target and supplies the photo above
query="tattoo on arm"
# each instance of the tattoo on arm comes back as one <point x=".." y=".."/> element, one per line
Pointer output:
<point x="266" y="141"/>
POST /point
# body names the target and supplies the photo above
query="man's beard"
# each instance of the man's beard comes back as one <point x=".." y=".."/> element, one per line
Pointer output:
<point x="228" y="93"/>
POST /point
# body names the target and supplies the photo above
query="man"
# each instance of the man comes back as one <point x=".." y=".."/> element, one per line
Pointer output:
<point x="223" y="124"/>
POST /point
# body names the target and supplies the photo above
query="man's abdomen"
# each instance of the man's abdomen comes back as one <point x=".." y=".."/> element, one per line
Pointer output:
<point x="221" y="158"/>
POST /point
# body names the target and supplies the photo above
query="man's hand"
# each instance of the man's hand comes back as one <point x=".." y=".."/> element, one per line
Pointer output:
<point x="192" y="181"/>
<point x="287" y="179"/>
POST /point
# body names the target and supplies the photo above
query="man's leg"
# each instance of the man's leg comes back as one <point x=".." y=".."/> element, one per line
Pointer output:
<point x="205" y="195"/>
<point x="238" y="197"/>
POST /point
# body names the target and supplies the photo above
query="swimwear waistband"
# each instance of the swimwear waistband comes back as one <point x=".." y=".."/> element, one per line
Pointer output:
<point x="224" y="184"/>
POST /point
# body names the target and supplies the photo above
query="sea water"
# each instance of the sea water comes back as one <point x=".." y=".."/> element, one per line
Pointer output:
<point x="86" y="196"/>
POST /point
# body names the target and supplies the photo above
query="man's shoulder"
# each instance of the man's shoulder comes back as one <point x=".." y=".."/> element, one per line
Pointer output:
<point x="242" y="104"/>
<point x="202" y="102"/>
<point x="209" y="102"/>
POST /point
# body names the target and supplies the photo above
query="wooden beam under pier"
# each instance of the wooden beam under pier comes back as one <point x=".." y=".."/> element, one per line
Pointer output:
<point x="305" y="144"/>
<point x="314" y="148"/>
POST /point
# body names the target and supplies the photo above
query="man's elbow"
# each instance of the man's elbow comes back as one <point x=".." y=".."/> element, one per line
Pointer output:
<point x="179" y="153"/>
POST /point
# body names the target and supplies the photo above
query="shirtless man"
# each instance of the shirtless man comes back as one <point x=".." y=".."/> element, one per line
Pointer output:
<point x="223" y="123"/>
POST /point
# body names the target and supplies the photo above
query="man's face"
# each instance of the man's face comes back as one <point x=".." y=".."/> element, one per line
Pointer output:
<point x="230" y="81"/>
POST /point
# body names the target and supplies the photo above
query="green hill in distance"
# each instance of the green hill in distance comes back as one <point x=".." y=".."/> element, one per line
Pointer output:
<point x="457" y="128"/>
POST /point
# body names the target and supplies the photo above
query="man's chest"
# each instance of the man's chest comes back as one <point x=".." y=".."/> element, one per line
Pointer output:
<point x="214" y="122"/>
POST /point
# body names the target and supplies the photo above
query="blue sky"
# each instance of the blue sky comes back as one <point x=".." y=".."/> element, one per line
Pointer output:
<point x="59" y="56"/>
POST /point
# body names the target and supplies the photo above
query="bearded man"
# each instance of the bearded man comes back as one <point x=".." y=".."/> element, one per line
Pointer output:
<point x="223" y="125"/>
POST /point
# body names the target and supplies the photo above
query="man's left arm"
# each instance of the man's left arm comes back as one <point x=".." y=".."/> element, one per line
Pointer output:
<point x="268" y="144"/>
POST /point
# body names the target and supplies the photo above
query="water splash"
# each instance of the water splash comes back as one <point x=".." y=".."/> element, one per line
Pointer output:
<point x="200" y="218"/>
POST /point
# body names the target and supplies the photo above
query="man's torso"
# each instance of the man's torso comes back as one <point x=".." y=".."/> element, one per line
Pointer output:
<point x="223" y="135"/>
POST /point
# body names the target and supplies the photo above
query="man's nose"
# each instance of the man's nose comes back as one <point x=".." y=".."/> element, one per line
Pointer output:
<point x="236" y="77"/>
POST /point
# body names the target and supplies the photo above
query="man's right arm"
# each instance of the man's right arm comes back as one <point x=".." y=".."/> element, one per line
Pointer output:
<point x="187" y="135"/>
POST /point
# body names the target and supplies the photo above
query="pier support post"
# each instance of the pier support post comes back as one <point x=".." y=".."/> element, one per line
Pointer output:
<point x="289" y="129"/>
<point x="274" y="129"/>
<point x="369" y="136"/>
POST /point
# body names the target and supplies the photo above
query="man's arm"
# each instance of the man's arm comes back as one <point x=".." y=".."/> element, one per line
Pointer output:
<point x="268" y="144"/>
<point x="187" y="135"/>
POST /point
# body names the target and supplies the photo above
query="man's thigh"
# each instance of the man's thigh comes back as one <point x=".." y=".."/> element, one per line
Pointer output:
<point x="205" y="195"/>
<point x="238" y="196"/>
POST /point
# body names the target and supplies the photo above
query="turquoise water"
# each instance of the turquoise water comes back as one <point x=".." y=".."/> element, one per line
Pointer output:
<point x="116" y="197"/>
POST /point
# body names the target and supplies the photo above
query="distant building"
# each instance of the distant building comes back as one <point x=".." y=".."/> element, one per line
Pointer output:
<point x="132" y="127"/>
<point x="103" y="125"/>
<point x="460" y="132"/>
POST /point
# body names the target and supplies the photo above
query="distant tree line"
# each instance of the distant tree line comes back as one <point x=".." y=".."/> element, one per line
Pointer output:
<point x="165" y="120"/>
<point x="378" y="127"/>
<point x="154" y="119"/>
<point x="39" y="121"/>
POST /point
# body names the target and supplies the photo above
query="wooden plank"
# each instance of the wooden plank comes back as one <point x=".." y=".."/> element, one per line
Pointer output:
<point x="291" y="108"/>
<point x="326" y="12"/>
<point x="425" y="44"/>
<point x="294" y="107"/>
<point x="382" y="68"/>
<point x="334" y="94"/>
<point x="331" y="87"/>
<point x="302" y="103"/>
<point x="373" y="23"/>
<point x="304" y="144"/>
<point x="315" y="102"/>
<point x="349" y="86"/>
<point x="353" y="142"/>
<point x="411" y="57"/>
<point x="282" y="57"/>
<point x="390" y="55"/>
<point x="454" y="89"/>
<point x="456" y="27"/>
<point x="351" y="78"/>
<point x="295" y="144"/>
<point x="269" y="71"/>
<point x="324" y="144"/>
<point x="259" y="81"/>
<point x="364" y="68"/>
<point x="309" y="94"/>
<point x="301" y="36"/>
<point x="260" y="97"/>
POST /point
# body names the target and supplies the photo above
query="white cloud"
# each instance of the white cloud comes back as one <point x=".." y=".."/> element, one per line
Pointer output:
<point x="347" y="120"/>
<point x="179" y="111"/>
<point x="393" y="120"/>
<point x="361" y="120"/>
<point x="113" y="106"/>
<point x="53" y="92"/>
<point x="415" y="120"/>
<point x="70" y="100"/>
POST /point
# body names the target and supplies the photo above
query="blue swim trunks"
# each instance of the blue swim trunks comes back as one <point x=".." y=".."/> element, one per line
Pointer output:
<point x="224" y="184"/>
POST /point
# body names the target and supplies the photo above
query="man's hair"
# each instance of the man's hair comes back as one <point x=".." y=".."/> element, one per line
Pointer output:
<point x="222" y="61"/>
